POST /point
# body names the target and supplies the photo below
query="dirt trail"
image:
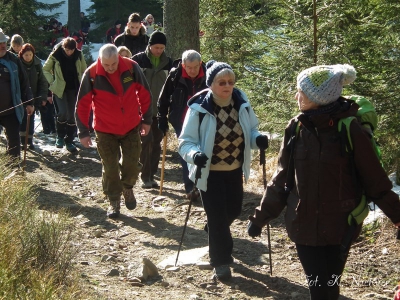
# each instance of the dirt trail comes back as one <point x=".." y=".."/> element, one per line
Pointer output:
<point x="111" y="251"/>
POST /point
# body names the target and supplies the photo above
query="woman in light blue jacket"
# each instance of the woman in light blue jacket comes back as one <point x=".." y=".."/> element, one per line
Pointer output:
<point x="219" y="131"/>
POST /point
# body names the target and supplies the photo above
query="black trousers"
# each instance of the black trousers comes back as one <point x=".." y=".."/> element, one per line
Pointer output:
<point x="223" y="204"/>
<point x="323" y="267"/>
<point x="11" y="125"/>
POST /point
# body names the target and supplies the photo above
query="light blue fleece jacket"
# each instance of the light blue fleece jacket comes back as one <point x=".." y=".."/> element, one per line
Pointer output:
<point x="194" y="139"/>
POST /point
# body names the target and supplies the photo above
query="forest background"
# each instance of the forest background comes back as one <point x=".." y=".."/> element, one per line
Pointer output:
<point x="267" y="43"/>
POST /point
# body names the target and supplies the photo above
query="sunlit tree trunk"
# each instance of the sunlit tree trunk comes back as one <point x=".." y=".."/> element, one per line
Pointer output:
<point x="181" y="25"/>
<point x="74" y="9"/>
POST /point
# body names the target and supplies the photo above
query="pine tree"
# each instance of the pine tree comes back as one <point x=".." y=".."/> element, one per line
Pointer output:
<point x="22" y="17"/>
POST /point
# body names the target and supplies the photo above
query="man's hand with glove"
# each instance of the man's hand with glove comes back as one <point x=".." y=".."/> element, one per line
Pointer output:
<point x="253" y="230"/>
<point x="200" y="159"/>
<point x="262" y="142"/>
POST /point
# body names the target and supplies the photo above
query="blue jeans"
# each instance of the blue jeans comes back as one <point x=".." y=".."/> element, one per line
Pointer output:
<point x="223" y="204"/>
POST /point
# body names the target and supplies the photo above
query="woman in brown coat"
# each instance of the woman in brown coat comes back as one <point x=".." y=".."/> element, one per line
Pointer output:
<point x="315" y="179"/>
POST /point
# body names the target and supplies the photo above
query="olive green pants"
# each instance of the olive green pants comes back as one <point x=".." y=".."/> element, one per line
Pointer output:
<point x="120" y="161"/>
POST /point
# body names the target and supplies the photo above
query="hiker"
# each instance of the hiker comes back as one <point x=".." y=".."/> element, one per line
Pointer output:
<point x="115" y="79"/>
<point x="134" y="37"/>
<point x="59" y="33"/>
<point x="218" y="133"/>
<point x="124" y="52"/>
<point x="85" y="23"/>
<point x="81" y="37"/>
<point x="47" y="115"/>
<point x="14" y="89"/>
<point x="320" y="183"/>
<point x="155" y="65"/>
<point x="16" y="44"/>
<point x="63" y="70"/>
<point x="39" y="87"/>
<point x="188" y="78"/>
<point x="113" y="32"/>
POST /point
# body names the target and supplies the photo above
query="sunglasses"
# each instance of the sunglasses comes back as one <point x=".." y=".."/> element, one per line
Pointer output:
<point x="224" y="83"/>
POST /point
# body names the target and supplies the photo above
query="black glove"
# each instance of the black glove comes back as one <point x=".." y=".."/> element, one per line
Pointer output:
<point x="163" y="125"/>
<point x="253" y="230"/>
<point x="262" y="142"/>
<point x="200" y="159"/>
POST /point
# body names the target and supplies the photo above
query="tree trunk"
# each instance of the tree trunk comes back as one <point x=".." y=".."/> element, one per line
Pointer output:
<point x="74" y="9"/>
<point x="181" y="26"/>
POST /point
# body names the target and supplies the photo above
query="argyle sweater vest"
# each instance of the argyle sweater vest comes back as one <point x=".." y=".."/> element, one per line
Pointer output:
<point x="229" y="139"/>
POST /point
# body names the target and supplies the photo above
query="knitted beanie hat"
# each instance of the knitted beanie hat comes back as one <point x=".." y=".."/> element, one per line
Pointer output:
<point x="214" y="70"/>
<point x="209" y="63"/>
<point x="324" y="84"/>
<point x="157" y="37"/>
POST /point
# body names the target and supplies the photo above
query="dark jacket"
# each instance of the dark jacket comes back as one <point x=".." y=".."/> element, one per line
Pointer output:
<point x="176" y="92"/>
<point x="155" y="76"/>
<point x="38" y="82"/>
<point x="113" y="113"/>
<point x="135" y="44"/>
<point x="20" y="88"/>
<point x="325" y="190"/>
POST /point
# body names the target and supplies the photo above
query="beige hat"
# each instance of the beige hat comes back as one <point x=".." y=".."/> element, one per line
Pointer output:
<point x="3" y="37"/>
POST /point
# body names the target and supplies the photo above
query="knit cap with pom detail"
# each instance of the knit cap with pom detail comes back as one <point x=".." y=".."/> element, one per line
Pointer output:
<point x="324" y="84"/>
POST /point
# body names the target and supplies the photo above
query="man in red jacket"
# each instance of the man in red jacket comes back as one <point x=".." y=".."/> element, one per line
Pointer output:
<point x="117" y="90"/>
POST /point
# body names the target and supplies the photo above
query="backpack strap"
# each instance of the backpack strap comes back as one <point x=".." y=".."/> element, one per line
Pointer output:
<point x="294" y="133"/>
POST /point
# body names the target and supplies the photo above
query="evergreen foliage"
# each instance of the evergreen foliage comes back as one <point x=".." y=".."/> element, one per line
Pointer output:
<point x="269" y="42"/>
<point x="23" y="18"/>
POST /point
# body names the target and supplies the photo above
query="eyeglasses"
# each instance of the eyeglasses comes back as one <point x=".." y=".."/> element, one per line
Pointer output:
<point x="224" y="83"/>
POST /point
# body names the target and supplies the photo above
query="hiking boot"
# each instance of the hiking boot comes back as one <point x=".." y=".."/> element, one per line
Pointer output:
<point x="130" y="200"/>
<point x="113" y="210"/>
<point x="154" y="184"/>
<point x="222" y="272"/>
<point x="60" y="142"/>
<point x="147" y="185"/>
<point x="70" y="147"/>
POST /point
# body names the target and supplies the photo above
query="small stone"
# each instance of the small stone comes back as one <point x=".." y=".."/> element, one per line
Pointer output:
<point x="113" y="272"/>
<point x="139" y="284"/>
<point x="85" y="263"/>
<point x="194" y="297"/>
<point x="46" y="153"/>
<point x="172" y="269"/>
<point x="98" y="233"/>
<point x="203" y="285"/>
<point x="189" y="278"/>
<point x="134" y="279"/>
<point x="164" y="283"/>
<point x="204" y="266"/>
<point x="237" y="287"/>
<point x="385" y="251"/>
<point x="211" y="287"/>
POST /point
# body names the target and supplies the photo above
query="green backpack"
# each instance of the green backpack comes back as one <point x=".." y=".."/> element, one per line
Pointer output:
<point x="368" y="118"/>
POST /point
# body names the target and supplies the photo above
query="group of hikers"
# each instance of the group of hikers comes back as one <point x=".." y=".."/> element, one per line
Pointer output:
<point x="134" y="92"/>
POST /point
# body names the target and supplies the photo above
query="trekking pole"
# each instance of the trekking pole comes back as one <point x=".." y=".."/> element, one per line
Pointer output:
<point x="198" y="175"/>
<point x="163" y="162"/>
<point x="28" y="119"/>
<point x="262" y="162"/>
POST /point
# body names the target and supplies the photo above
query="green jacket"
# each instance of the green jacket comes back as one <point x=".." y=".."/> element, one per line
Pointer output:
<point x="155" y="76"/>
<point x="52" y="72"/>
